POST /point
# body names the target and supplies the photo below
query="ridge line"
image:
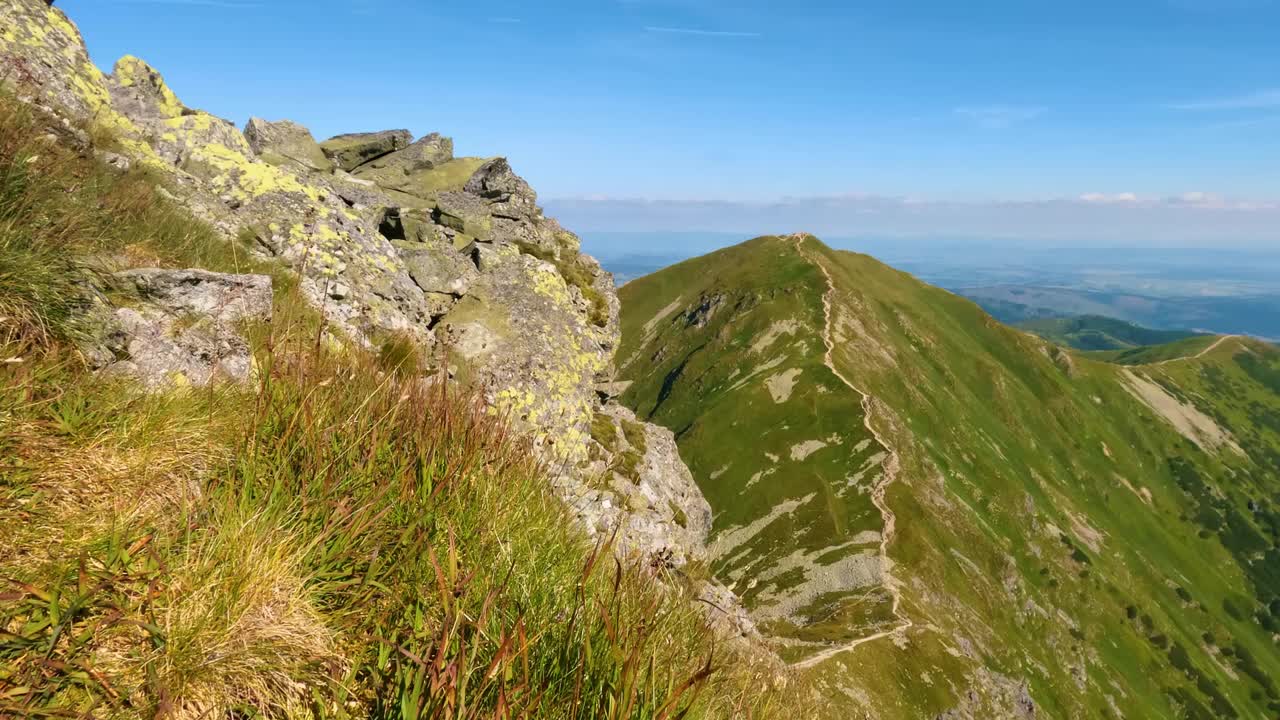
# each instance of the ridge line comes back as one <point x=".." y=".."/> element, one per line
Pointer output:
<point x="891" y="467"/>
<point x="1198" y="355"/>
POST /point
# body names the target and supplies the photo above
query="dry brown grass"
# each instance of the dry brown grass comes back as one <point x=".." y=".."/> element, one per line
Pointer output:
<point x="241" y="627"/>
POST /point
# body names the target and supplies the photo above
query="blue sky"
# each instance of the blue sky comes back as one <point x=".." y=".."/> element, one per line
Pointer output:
<point x="1128" y="121"/>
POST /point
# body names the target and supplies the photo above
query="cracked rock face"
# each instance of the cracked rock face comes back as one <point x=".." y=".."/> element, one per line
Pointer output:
<point x="350" y="151"/>
<point x="182" y="327"/>
<point x="286" y="143"/>
<point x="390" y="238"/>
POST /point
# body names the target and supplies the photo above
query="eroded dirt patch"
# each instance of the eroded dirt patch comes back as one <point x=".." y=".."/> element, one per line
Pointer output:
<point x="1186" y="419"/>
<point x="782" y="384"/>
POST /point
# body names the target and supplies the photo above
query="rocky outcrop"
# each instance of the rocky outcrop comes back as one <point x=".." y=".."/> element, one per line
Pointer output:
<point x="390" y="238"/>
<point x="350" y="151"/>
<point x="179" y="327"/>
<point x="287" y="144"/>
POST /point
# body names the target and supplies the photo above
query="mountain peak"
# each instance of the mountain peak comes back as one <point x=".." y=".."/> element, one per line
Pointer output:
<point x="920" y="478"/>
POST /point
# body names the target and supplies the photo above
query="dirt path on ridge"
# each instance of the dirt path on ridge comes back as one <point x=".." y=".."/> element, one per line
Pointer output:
<point x="1198" y="355"/>
<point x="891" y="468"/>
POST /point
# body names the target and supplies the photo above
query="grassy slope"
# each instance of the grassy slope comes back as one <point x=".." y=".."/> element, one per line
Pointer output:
<point x="1164" y="352"/>
<point x="712" y="381"/>
<point x="1094" y="332"/>
<point x="1025" y="537"/>
<point x="340" y="540"/>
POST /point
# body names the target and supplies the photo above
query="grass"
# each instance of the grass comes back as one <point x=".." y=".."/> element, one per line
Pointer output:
<point x="626" y="461"/>
<point x="1146" y="355"/>
<point x="345" y="538"/>
<point x="1097" y="333"/>
<point x="805" y="447"/>
<point x="1004" y="450"/>
<point x="363" y="546"/>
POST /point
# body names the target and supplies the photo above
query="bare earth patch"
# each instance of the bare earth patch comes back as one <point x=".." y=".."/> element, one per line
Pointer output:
<point x="1186" y="419"/>
<point x="1143" y="494"/>
<point x="782" y="384"/>
<point x="650" y="326"/>
<point x="805" y="449"/>
<point x="776" y="330"/>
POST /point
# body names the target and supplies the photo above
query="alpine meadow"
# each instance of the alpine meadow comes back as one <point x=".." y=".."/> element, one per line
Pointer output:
<point x="295" y="427"/>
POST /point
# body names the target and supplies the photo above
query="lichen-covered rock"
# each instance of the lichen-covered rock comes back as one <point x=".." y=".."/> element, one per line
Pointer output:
<point x="350" y="151"/>
<point x="439" y="268"/>
<point x="181" y="327"/>
<point x="386" y="236"/>
<point x="520" y="334"/>
<point x="465" y="213"/>
<point x="43" y="59"/>
<point x="635" y="489"/>
<point x="642" y="461"/>
<point x="138" y="91"/>
<point x="286" y="143"/>
<point x="511" y="196"/>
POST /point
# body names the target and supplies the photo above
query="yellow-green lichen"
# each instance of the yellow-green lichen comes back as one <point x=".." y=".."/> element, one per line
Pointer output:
<point x="131" y="72"/>
<point x="549" y="284"/>
<point x="246" y="179"/>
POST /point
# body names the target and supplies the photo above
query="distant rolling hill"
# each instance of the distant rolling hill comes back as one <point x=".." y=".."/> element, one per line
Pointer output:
<point x="1245" y="315"/>
<point x="933" y="515"/>
<point x="1095" y="332"/>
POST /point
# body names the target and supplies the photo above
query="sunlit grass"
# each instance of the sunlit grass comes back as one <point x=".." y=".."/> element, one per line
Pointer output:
<point x="341" y="538"/>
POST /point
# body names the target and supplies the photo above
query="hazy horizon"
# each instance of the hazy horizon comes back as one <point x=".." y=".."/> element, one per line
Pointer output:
<point x="620" y="244"/>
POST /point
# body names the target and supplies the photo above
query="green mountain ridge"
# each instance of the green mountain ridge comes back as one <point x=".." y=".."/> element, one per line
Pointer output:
<point x="1071" y="537"/>
<point x="1100" y="333"/>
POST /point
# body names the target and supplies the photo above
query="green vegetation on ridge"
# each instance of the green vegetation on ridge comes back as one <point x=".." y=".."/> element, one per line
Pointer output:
<point x="1095" y="332"/>
<point x="1154" y="354"/>
<point x="1095" y="539"/>
<point x="741" y="359"/>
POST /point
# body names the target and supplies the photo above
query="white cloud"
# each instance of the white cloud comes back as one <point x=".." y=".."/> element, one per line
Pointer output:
<point x="701" y="33"/>
<point x="999" y="117"/>
<point x="1260" y="100"/>
<point x="1196" y="217"/>
<point x="1094" y="198"/>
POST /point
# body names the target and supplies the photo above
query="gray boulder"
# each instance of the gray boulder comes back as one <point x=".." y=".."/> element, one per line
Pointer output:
<point x="183" y="327"/>
<point x="351" y="151"/>
<point x="438" y="268"/>
<point x="417" y="170"/>
<point x="427" y="152"/>
<point x="496" y="182"/>
<point x="465" y="213"/>
<point x="286" y="144"/>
